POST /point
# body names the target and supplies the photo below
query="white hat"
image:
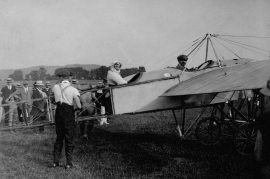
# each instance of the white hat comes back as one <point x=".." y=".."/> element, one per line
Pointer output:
<point x="9" y="80"/>
<point x="39" y="83"/>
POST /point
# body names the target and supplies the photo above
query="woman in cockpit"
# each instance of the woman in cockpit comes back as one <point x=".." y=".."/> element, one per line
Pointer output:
<point x="113" y="76"/>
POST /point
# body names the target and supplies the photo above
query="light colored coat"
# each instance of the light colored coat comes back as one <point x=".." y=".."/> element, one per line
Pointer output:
<point x="114" y="77"/>
<point x="26" y="96"/>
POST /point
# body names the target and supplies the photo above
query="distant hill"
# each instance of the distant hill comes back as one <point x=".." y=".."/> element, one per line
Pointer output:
<point x="50" y="69"/>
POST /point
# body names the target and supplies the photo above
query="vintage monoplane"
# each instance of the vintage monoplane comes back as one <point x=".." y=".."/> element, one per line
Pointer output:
<point x="226" y="89"/>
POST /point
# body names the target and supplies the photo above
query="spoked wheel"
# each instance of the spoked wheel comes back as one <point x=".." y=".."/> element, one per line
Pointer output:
<point x="208" y="131"/>
<point x="245" y="137"/>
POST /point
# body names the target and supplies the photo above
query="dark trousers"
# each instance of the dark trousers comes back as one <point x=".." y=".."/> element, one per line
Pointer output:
<point x="20" y="114"/>
<point x="65" y="130"/>
<point x="6" y="108"/>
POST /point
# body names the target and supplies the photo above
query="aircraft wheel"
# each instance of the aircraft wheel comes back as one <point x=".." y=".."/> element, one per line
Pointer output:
<point x="208" y="131"/>
<point x="244" y="139"/>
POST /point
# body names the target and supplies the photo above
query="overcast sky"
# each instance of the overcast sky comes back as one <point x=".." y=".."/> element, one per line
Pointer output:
<point x="134" y="32"/>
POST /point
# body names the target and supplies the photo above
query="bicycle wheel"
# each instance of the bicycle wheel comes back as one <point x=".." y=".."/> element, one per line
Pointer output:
<point x="208" y="131"/>
<point x="245" y="137"/>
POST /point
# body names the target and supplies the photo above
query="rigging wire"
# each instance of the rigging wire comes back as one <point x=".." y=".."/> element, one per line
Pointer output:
<point x="227" y="48"/>
<point x="218" y="49"/>
<point x="198" y="47"/>
<point x="243" y="47"/>
<point x="244" y="44"/>
<point x="172" y="59"/>
<point x="242" y="36"/>
<point x="219" y="62"/>
<point x="193" y="42"/>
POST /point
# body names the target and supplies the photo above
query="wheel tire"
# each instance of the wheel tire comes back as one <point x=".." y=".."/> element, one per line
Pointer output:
<point x="244" y="138"/>
<point x="208" y="131"/>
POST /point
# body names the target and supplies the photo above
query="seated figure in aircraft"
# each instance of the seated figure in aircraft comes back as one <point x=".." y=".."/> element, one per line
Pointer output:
<point x="113" y="76"/>
<point x="182" y="61"/>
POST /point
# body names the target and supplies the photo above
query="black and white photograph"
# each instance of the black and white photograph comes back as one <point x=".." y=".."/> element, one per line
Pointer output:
<point x="134" y="89"/>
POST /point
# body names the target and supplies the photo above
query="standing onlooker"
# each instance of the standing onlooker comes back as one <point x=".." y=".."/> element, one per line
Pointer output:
<point x="26" y="94"/>
<point x="47" y="88"/>
<point x="19" y="108"/>
<point x="65" y="95"/>
<point x="75" y="84"/>
<point x="38" y="108"/>
<point x="6" y="91"/>
<point x="13" y="113"/>
<point x="101" y="109"/>
<point x="50" y="106"/>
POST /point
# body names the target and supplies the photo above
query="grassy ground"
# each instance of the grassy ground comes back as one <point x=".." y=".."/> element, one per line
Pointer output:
<point x="136" y="146"/>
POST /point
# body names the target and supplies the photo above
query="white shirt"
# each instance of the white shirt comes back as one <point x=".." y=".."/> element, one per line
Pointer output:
<point x="68" y="95"/>
<point x="25" y="89"/>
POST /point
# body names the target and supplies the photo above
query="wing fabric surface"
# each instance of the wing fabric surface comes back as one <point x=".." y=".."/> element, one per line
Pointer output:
<point x="236" y="78"/>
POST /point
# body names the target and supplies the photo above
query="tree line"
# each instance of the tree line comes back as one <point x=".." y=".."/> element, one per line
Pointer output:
<point x="79" y="73"/>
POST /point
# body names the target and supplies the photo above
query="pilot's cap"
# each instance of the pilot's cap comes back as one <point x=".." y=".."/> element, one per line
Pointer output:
<point x="182" y="58"/>
<point x="266" y="89"/>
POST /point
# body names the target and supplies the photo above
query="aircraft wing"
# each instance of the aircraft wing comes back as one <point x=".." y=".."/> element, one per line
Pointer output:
<point x="247" y="76"/>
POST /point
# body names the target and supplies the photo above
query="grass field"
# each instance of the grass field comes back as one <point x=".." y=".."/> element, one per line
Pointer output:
<point x="135" y="146"/>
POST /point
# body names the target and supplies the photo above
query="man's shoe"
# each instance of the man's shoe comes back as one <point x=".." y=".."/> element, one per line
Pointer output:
<point x="68" y="166"/>
<point x="55" y="164"/>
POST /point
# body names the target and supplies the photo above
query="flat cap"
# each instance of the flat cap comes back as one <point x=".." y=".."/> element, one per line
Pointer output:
<point x="182" y="58"/>
<point x="64" y="73"/>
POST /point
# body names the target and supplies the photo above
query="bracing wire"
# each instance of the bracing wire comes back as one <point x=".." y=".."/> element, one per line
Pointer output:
<point x="192" y="43"/>
<point x="227" y="48"/>
<point x="243" y="47"/>
<point x="218" y="50"/>
<point x="243" y="36"/>
<point x="172" y="59"/>
<point x="244" y="44"/>
<point x="219" y="62"/>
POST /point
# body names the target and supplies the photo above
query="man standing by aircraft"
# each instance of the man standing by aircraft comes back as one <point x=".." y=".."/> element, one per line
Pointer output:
<point x="64" y="96"/>
<point x="26" y="94"/>
<point x="6" y="91"/>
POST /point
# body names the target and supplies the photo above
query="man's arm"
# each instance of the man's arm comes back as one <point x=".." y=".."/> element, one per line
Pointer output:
<point x="119" y="80"/>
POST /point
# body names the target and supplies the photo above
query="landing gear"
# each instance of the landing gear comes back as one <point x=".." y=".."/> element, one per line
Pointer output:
<point x="208" y="131"/>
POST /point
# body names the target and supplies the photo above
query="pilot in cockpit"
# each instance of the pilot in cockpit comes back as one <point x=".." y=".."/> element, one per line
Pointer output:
<point x="182" y="61"/>
<point x="114" y="77"/>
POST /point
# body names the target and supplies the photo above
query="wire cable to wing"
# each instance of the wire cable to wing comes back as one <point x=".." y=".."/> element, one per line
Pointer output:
<point x="242" y="36"/>
<point x="227" y="48"/>
<point x="190" y="45"/>
<point x="234" y="43"/>
<point x="216" y="55"/>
